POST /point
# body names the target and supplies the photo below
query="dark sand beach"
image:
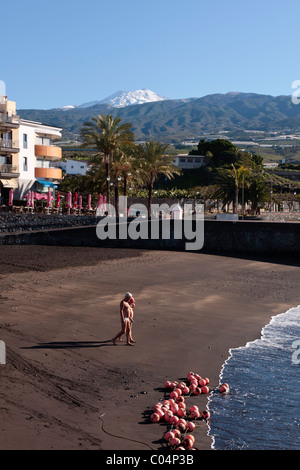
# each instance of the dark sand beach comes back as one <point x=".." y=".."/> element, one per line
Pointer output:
<point x="66" y="386"/>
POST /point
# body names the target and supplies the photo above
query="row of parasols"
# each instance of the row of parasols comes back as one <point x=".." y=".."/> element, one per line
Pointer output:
<point x="75" y="202"/>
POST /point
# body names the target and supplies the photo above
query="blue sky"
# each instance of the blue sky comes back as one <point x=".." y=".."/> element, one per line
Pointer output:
<point x="56" y="53"/>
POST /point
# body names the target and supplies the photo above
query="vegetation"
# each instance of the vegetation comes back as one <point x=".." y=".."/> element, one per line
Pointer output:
<point x="107" y="135"/>
<point x="229" y="176"/>
<point x="154" y="162"/>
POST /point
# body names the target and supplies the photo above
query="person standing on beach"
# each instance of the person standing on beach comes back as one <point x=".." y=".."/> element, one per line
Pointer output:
<point x="126" y="313"/>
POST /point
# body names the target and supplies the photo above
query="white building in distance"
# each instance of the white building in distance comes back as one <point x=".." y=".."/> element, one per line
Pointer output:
<point x="188" y="162"/>
<point x="73" y="167"/>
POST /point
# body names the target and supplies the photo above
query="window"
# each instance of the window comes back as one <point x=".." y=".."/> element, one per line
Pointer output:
<point x="25" y="142"/>
<point x="43" y="140"/>
<point x="190" y="160"/>
<point x="182" y="160"/>
<point x="25" y="168"/>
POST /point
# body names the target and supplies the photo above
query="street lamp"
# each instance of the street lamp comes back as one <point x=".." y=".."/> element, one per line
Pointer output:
<point x="271" y="192"/>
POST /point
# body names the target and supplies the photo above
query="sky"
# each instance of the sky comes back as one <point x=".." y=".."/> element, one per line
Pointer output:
<point x="66" y="52"/>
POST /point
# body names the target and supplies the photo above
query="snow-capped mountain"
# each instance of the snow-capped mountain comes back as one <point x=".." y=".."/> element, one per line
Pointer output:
<point x="127" y="98"/>
<point x="122" y="98"/>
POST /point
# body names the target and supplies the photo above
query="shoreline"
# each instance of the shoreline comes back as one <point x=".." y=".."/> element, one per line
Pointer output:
<point x="59" y="308"/>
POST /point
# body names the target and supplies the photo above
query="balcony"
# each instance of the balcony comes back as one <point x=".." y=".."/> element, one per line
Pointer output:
<point x="49" y="152"/>
<point x="8" y="145"/>
<point x="9" y="171"/>
<point x="51" y="173"/>
<point x="12" y="122"/>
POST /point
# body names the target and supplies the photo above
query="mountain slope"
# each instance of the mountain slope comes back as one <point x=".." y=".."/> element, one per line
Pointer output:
<point x="173" y="120"/>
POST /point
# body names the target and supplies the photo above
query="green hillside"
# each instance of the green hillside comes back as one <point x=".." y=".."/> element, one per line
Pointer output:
<point x="175" y="120"/>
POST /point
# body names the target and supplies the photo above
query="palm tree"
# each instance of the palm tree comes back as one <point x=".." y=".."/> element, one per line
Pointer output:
<point x="258" y="190"/>
<point x="229" y="183"/>
<point x="106" y="134"/>
<point x="154" y="162"/>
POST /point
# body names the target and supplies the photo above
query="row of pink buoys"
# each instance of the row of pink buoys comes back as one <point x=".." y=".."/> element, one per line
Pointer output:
<point x="174" y="412"/>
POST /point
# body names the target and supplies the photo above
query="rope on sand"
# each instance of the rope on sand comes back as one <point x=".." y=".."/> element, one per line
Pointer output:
<point x="121" y="437"/>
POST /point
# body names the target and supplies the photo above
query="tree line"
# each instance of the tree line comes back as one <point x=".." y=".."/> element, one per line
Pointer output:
<point x="119" y="165"/>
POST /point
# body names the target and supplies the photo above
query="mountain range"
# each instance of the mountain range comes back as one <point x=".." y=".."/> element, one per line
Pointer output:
<point x="173" y="120"/>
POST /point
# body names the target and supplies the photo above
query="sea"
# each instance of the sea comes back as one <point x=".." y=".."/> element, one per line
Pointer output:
<point x="261" y="411"/>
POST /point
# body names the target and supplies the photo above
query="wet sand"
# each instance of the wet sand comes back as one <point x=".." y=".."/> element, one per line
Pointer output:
<point x="66" y="386"/>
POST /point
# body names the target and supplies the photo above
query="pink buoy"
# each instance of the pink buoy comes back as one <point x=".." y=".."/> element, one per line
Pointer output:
<point x="192" y="387"/>
<point x="190" y="426"/>
<point x="185" y="390"/>
<point x="205" y="389"/>
<point x="181" y="425"/>
<point x="174" y="420"/>
<point x="154" y="418"/>
<point x="181" y="385"/>
<point x="201" y="382"/>
<point x="188" y="442"/>
<point x="180" y="399"/>
<point x="207" y="380"/>
<point x="197" y="391"/>
<point x="157" y="407"/>
<point x="176" y="433"/>
<point x="168" y="415"/>
<point x="175" y="441"/>
<point x="174" y="394"/>
<point x="167" y="385"/>
<point x="174" y="408"/>
<point x="181" y="412"/>
<point x="205" y="414"/>
<point x="169" y="435"/>
<point x="195" y="414"/>
<point x="194" y="408"/>
<point x="160" y="412"/>
<point x="224" y="388"/>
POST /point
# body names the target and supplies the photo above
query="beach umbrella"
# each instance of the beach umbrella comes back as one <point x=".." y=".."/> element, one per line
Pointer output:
<point x="32" y="199"/>
<point x="89" y="202"/>
<point x="11" y="197"/>
<point x="75" y="200"/>
<point x="80" y="203"/>
<point x="58" y="200"/>
<point x="105" y="203"/>
<point x="28" y="198"/>
<point x="100" y="200"/>
<point x="69" y="200"/>
<point x="49" y="199"/>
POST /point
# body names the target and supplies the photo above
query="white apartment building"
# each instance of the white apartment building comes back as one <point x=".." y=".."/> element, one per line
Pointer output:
<point x="9" y="147"/>
<point x="37" y="156"/>
<point x="27" y="154"/>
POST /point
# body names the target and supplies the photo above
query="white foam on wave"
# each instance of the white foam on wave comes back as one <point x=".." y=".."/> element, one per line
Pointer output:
<point x="269" y="337"/>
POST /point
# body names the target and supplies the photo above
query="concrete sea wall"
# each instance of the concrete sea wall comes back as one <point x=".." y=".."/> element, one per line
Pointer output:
<point x="219" y="236"/>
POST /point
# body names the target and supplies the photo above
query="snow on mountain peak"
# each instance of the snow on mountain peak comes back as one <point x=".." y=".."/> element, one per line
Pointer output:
<point x="129" y="98"/>
<point x="123" y="98"/>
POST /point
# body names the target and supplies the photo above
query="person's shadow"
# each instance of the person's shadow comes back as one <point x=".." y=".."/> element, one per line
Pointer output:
<point x="70" y="344"/>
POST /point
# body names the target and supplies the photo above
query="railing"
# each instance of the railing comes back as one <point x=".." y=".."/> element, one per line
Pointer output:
<point x="8" y="169"/>
<point x="9" y="144"/>
<point x="5" y="118"/>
